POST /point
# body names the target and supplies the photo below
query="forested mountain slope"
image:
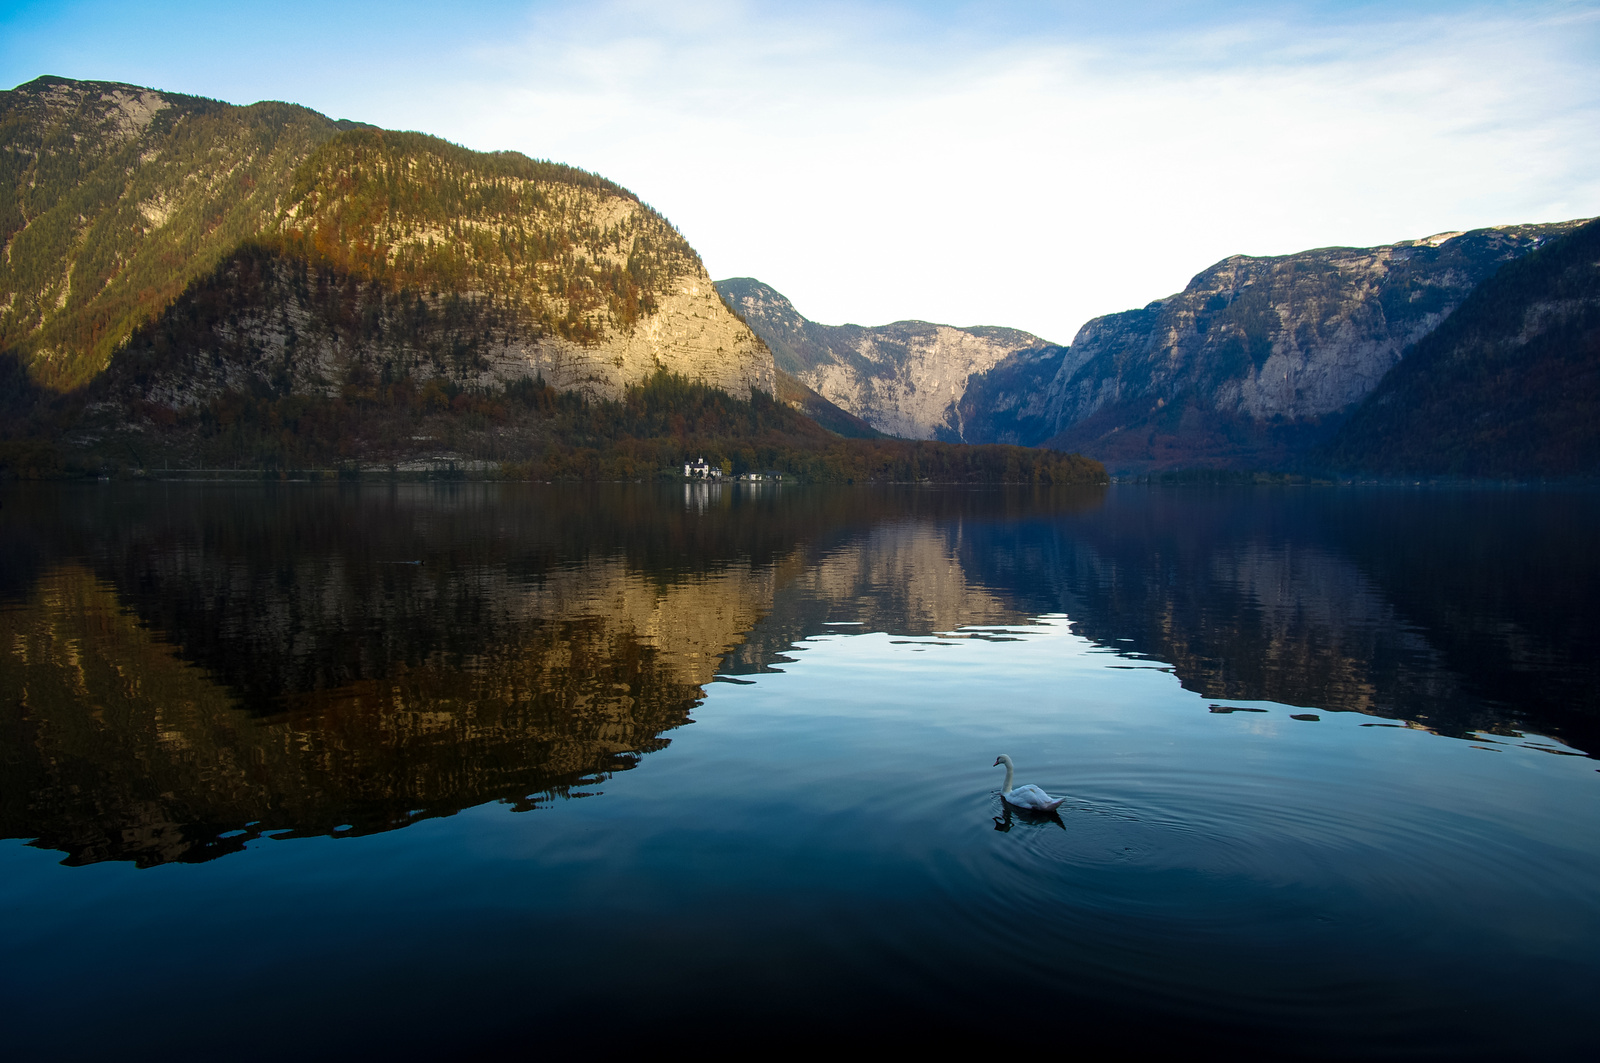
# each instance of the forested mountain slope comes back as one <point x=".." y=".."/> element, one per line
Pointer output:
<point x="114" y="199"/>
<point x="192" y="287"/>
<point x="1508" y="386"/>
<point x="124" y="209"/>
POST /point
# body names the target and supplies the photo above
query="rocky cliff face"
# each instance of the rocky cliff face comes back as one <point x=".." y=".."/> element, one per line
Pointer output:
<point x="267" y="323"/>
<point x="117" y="202"/>
<point x="1251" y="360"/>
<point x="907" y="379"/>
<point x="1252" y="365"/>
<point x="1507" y="387"/>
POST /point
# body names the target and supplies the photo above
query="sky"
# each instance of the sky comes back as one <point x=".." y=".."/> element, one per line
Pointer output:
<point x="1023" y="164"/>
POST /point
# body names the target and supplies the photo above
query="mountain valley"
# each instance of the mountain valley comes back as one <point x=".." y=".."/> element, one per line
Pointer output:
<point x="906" y="379"/>
<point x="1253" y="366"/>
<point x="189" y="284"/>
<point x="195" y="283"/>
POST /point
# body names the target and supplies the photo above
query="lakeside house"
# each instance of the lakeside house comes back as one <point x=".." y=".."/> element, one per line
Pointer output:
<point x="699" y="470"/>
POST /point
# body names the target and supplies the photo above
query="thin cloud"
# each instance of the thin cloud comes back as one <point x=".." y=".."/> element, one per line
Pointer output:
<point x="1039" y="182"/>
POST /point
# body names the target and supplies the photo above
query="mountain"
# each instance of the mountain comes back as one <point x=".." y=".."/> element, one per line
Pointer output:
<point x="114" y="198"/>
<point x="907" y="379"/>
<point x="1507" y="386"/>
<point x="1257" y="359"/>
<point x="204" y="289"/>
<point x="1253" y="365"/>
<point x="322" y="249"/>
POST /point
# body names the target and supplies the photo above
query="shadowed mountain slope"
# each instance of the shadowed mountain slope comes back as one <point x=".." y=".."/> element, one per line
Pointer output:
<point x="1508" y="386"/>
<point x="1256" y="360"/>
<point x="796" y="395"/>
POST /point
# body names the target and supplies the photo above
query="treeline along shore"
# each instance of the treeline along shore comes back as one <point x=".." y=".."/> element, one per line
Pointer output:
<point x="525" y="430"/>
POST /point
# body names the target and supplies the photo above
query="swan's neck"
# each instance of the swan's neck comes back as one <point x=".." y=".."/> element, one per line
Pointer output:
<point x="1009" y="774"/>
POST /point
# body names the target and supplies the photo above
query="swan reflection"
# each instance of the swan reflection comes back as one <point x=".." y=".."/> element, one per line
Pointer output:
<point x="1011" y="816"/>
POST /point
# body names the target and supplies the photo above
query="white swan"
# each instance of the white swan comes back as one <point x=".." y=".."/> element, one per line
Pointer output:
<point x="1027" y="796"/>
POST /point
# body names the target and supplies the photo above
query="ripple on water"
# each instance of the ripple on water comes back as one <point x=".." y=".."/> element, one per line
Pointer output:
<point x="1220" y="895"/>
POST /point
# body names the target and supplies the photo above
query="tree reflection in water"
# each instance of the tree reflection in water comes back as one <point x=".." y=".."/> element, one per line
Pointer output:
<point x="184" y="667"/>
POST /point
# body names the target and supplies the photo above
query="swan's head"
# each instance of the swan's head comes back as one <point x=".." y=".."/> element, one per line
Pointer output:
<point x="1001" y="759"/>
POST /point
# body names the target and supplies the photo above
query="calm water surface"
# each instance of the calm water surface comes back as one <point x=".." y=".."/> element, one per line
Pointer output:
<point x="432" y="770"/>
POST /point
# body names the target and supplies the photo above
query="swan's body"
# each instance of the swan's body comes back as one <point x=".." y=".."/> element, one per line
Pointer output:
<point x="1027" y="796"/>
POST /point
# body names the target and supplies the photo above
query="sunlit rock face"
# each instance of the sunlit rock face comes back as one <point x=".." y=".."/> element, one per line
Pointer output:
<point x="265" y="324"/>
<point x="907" y="379"/>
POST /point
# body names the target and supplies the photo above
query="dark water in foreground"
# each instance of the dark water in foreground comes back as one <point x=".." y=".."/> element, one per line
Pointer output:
<point x="479" y="770"/>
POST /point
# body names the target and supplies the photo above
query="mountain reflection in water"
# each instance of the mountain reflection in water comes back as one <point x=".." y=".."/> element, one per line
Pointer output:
<point x="184" y="667"/>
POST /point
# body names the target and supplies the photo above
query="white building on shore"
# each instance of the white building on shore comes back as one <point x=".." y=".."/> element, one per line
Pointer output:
<point x="699" y="470"/>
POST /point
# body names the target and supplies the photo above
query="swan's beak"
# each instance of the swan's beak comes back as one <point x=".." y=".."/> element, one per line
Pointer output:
<point x="996" y="763"/>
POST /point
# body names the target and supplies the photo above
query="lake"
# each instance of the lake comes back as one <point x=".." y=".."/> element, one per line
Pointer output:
<point x="471" y="769"/>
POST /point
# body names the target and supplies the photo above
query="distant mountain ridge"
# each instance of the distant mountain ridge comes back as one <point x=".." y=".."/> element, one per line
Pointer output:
<point x="1253" y="365"/>
<point x="907" y="378"/>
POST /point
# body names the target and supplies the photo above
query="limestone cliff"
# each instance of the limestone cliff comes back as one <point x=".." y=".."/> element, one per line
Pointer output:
<point x="266" y="323"/>
<point x="907" y="379"/>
